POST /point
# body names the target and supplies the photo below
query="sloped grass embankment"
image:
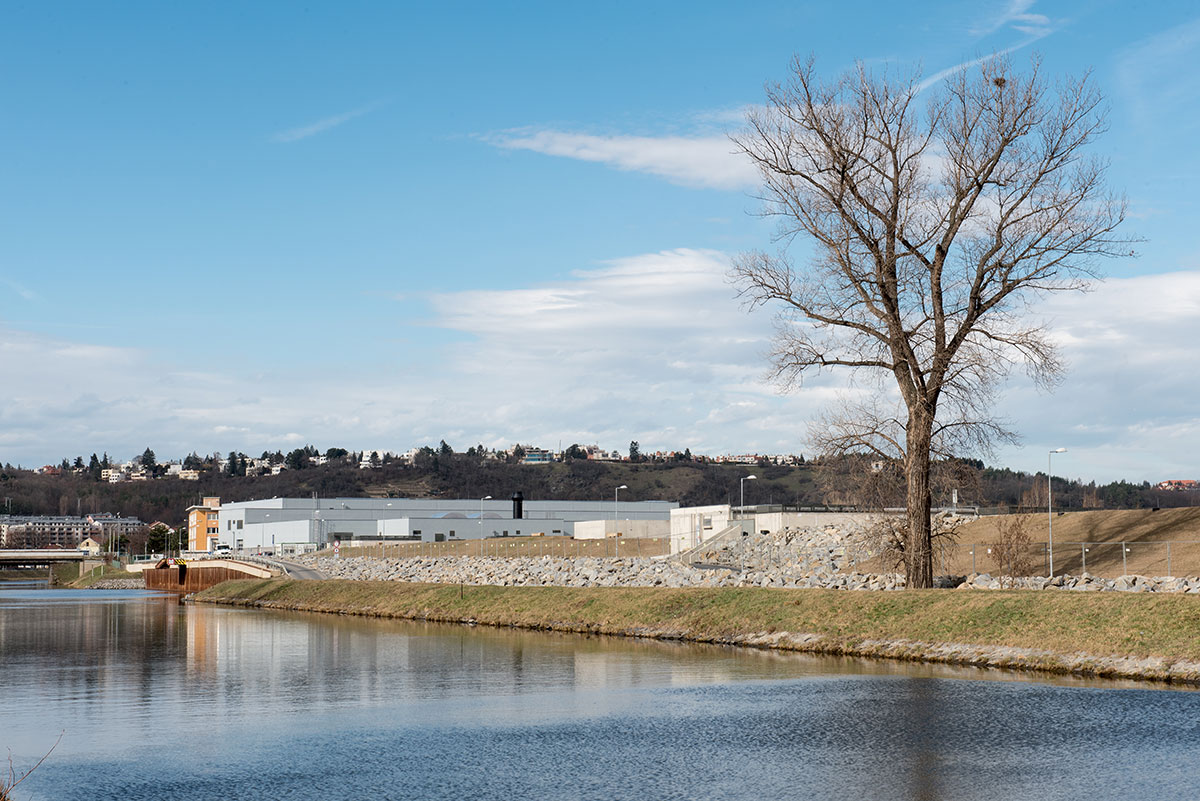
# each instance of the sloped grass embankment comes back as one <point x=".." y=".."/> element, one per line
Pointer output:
<point x="1119" y="635"/>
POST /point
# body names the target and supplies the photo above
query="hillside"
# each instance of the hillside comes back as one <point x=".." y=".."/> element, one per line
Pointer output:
<point x="1144" y="533"/>
<point x="464" y="475"/>
<point x="166" y="499"/>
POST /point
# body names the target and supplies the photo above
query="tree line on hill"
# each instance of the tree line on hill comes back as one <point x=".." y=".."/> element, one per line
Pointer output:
<point x="442" y="472"/>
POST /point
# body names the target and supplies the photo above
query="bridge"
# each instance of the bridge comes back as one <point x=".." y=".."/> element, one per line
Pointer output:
<point x="39" y="557"/>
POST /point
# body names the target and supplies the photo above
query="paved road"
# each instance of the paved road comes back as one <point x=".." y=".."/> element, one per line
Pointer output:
<point x="298" y="571"/>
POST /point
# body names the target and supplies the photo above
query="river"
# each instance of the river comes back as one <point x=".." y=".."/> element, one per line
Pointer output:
<point x="157" y="700"/>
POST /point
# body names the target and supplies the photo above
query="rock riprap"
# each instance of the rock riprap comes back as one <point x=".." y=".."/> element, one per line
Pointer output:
<point x="553" y="571"/>
<point x="1082" y="583"/>
<point x="119" y="584"/>
<point x="583" y="572"/>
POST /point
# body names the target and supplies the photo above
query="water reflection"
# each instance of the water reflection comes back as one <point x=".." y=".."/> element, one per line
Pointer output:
<point x="160" y="700"/>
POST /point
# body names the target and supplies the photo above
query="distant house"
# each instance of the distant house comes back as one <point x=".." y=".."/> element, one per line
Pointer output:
<point x="1179" y="484"/>
<point x="537" y="456"/>
<point x="91" y="547"/>
<point x="373" y="458"/>
<point x="189" y="475"/>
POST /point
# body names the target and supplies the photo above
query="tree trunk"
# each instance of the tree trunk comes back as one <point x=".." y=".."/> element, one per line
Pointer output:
<point x="918" y="546"/>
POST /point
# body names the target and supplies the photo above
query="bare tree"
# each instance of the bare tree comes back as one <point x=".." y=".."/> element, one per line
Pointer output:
<point x="1012" y="552"/>
<point x="931" y="228"/>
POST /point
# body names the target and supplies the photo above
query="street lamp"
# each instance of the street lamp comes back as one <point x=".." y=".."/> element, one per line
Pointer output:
<point x="1050" y="505"/>
<point x="616" y="531"/>
<point x="742" y="485"/>
<point x="481" y="500"/>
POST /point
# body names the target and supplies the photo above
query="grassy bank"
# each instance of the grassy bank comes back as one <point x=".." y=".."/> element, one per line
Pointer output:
<point x="101" y="573"/>
<point x="1109" y="634"/>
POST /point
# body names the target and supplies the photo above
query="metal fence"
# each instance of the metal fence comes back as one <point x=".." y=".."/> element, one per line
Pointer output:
<point x="1107" y="559"/>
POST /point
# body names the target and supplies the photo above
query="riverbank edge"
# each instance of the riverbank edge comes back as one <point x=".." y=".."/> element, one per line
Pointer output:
<point x="700" y="615"/>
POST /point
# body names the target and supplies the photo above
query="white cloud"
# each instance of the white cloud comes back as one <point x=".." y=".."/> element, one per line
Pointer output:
<point x="701" y="161"/>
<point x="1126" y="408"/>
<point x="322" y="125"/>
<point x="652" y="347"/>
<point x="642" y="348"/>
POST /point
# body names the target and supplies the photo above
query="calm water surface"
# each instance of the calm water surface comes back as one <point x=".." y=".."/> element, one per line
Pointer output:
<point x="160" y="701"/>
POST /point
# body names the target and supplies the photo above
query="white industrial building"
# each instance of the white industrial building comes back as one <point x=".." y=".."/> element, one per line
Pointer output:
<point x="290" y="525"/>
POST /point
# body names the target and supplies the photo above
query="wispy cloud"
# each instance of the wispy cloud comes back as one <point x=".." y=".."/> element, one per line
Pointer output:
<point x="946" y="73"/>
<point x="21" y="291"/>
<point x="1157" y="74"/>
<point x="702" y="161"/>
<point x="1017" y="16"/>
<point x="326" y="124"/>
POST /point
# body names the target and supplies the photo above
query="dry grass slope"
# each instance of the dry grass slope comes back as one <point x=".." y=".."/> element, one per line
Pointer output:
<point x="1144" y="531"/>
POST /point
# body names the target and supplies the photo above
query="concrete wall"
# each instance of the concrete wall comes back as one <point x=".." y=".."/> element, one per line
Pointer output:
<point x="692" y="525"/>
<point x="634" y="529"/>
<point x="777" y="521"/>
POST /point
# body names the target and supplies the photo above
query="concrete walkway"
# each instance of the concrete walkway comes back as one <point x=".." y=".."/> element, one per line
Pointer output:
<point x="298" y="571"/>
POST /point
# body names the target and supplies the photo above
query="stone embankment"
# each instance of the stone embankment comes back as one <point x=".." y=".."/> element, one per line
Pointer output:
<point x="557" y="571"/>
<point x="550" y="571"/>
<point x="1083" y="583"/>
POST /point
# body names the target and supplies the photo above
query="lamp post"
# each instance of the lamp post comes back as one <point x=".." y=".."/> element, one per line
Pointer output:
<point x="481" y="500"/>
<point x="616" y="531"/>
<point x="742" y="486"/>
<point x="1050" y="505"/>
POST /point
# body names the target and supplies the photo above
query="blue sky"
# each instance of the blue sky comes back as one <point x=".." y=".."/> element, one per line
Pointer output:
<point x="370" y="225"/>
